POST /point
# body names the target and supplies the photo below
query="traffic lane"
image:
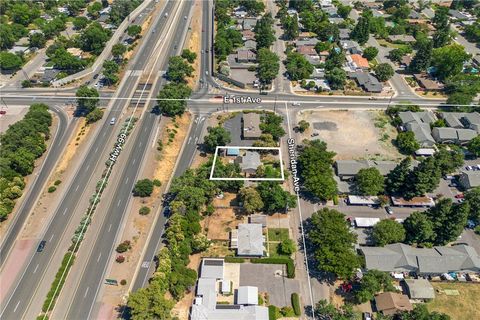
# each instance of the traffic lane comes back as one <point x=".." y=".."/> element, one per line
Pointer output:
<point x="92" y="278"/>
<point x="148" y="266"/>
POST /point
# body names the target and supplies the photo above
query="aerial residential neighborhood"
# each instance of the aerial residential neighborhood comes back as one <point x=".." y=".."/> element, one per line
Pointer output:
<point x="240" y="159"/>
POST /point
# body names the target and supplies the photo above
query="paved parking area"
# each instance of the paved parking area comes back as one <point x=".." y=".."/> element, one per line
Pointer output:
<point x="234" y="126"/>
<point x="263" y="276"/>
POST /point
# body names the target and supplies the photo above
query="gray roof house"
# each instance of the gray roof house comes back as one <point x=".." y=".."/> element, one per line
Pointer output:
<point x="367" y="81"/>
<point x="348" y="169"/>
<point x="453" y="135"/>
<point x="344" y="34"/>
<point x="470" y="120"/>
<point x="318" y="73"/>
<point x="250" y="240"/>
<point x="351" y="46"/>
<point x="248" y="23"/>
<point x="401" y="38"/>
<point x="205" y="303"/>
<point x="458" y="15"/>
<point x="419" y="124"/>
<point x="306" y="42"/>
<point x="212" y="268"/>
<point x="419" y="289"/>
<point x="469" y="179"/>
<point x="400" y="257"/>
<point x="249" y="162"/>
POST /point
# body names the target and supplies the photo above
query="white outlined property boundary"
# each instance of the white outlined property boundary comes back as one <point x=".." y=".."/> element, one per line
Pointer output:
<point x="247" y="179"/>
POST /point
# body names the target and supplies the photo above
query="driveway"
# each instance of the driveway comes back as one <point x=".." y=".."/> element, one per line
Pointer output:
<point x="234" y="126"/>
<point x="263" y="276"/>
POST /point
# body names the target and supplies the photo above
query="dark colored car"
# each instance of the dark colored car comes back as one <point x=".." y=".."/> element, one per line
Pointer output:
<point x="389" y="210"/>
<point x="41" y="246"/>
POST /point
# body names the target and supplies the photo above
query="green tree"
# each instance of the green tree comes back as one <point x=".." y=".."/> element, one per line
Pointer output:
<point x="472" y="198"/>
<point x="95" y="115"/>
<point x="188" y="55"/>
<point x="449" y="60"/>
<point x="268" y="65"/>
<point x="315" y="164"/>
<point x="290" y="27"/>
<point x="459" y="99"/>
<point x="143" y="188"/>
<point x="274" y="198"/>
<point x="373" y="282"/>
<point x="303" y="125"/>
<point x="121" y="9"/>
<point x="369" y="181"/>
<point x="7" y="38"/>
<point x="217" y="136"/>
<point x="94" y="10"/>
<point x="251" y="199"/>
<point x="325" y="310"/>
<point x="80" y="23"/>
<point x="422" y="59"/>
<point x="10" y="61"/>
<point x="448" y="161"/>
<point x="149" y="303"/>
<point x="333" y="242"/>
<point x="361" y="32"/>
<point x="94" y="37"/>
<point x="384" y="71"/>
<point x="448" y="220"/>
<point x="298" y="66"/>
<point x="37" y="40"/>
<point x="370" y="53"/>
<point x="287" y="247"/>
<point x="23" y="13"/>
<point x="419" y="229"/>
<point x="134" y="30"/>
<point x="420" y="312"/>
<point x="118" y="50"/>
<point x="407" y="143"/>
<point x="336" y="78"/>
<point x="423" y="178"/>
<point x="87" y="98"/>
<point x="272" y="124"/>
<point x="397" y="178"/>
<point x="343" y="10"/>
<point x="388" y="231"/>
<point x="327" y="31"/>
<point x="474" y="146"/>
<point x="264" y="34"/>
<point x="178" y="69"/>
<point x="173" y="91"/>
<point x="62" y="59"/>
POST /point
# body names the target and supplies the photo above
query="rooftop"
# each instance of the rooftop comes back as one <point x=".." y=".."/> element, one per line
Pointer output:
<point x="390" y="303"/>
<point x="250" y="239"/>
<point x="419" y="289"/>
<point x="251" y="125"/>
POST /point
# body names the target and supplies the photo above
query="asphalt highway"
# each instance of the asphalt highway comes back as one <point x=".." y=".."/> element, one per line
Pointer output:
<point x="19" y="300"/>
<point x="84" y="305"/>
<point x="56" y="148"/>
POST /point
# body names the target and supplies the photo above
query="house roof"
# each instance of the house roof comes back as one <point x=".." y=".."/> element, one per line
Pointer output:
<point x="419" y="289"/>
<point x="251" y="125"/>
<point x="344" y="33"/>
<point x="246" y="54"/>
<point x="307" y="49"/>
<point x="428" y="83"/>
<point x="258" y="218"/>
<point x="351" y="167"/>
<point x="247" y="295"/>
<point x="360" y="61"/>
<point x="471" y="177"/>
<point x="250" y="161"/>
<point x="367" y="81"/>
<point x="406" y="60"/>
<point x="306" y="42"/>
<point x="250" y="239"/>
<point x="248" y="35"/>
<point x="318" y="73"/>
<point x="401" y="257"/>
<point x="402" y="37"/>
<point x="390" y="303"/>
<point x="212" y="268"/>
<point x="422" y="133"/>
<point x="418" y="117"/>
<point x="454" y="134"/>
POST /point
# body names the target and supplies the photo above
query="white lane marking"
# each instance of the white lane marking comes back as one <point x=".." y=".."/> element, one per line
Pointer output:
<point x="140" y="144"/>
<point x="134" y="160"/>
<point x="189" y="139"/>
<point x="103" y="135"/>
<point x="96" y="149"/>
<point x="87" y="167"/>
<point x="98" y="259"/>
<point x="118" y="203"/>
<point x="65" y="211"/>
<point x="126" y="180"/>
<point x="36" y="268"/>
<point x="16" y="306"/>
<point x="86" y="291"/>
<point x="109" y="227"/>
<point x="78" y="186"/>
<point x="155" y="137"/>
<point x="51" y="238"/>
<point x="145" y="129"/>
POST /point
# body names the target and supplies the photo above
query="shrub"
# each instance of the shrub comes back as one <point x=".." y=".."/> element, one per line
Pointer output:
<point x="143" y="188"/>
<point x="52" y="295"/>
<point x="144" y="211"/>
<point x="157" y="183"/>
<point x="477" y="229"/>
<point x="95" y="115"/>
<point x="57" y="182"/>
<point x="273" y="313"/>
<point x="123" y="282"/>
<point x="260" y="300"/>
<point x="120" y="259"/>
<point x="234" y="260"/>
<point x="52" y="189"/>
<point x="287" y="247"/>
<point x="296" y="304"/>
<point x="123" y="247"/>
<point x="287" y="312"/>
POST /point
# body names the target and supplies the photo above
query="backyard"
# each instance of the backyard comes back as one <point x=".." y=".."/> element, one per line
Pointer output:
<point x="459" y="307"/>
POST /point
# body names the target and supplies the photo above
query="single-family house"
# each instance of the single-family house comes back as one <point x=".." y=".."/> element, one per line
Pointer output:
<point x="467" y="120"/>
<point x="306" y="42"/>
<point x="308" y="50"/>
<point x="318" y="73"/>
<point x="49" y="75"/>
<point x="249" y="162"/>
<point x="405" y="38"/>
<point x="357" y="62"/>
<point x="399" y="257"/>
<point x="251" y="126"/>
<point x="240" y="12"/>
<point x="245" y="56"/>
<point x="248" y="23"/>
<point x="351" y="46"/>
<point x="419" y="289"/>
<point x="248" y="240"/>
<point x="458" y="15"/>
<point x="344" y="34"/>
<point x="469" y="179"/>
<point x="419" y="124"/>
<point x="390" y="303"/>
<point x="250" y="44"/>
<point x="405" y="61"/>
<point x="428" y="83"/>
<point x="414" y="15"/>
<point x="248" y="35"/>
<point x="336" y="20"/>
<point x="76" y="52"/>
<point x="367" y="81"/>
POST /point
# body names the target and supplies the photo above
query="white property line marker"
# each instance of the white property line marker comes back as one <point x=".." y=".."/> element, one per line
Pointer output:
<point x="247" y="179"/>
<point x="301" y="227"/>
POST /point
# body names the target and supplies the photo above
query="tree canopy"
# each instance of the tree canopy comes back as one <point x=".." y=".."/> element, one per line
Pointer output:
<point x="298" y="67"/>
<point x="388" y="231"/>
<point x="369" y="182"/>
<point x="217" y="136"/>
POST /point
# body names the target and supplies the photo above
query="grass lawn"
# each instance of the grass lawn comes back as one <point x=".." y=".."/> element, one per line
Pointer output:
<point x="277" y="234"/>
<point x="461" y="307"/>
<point x="273" y="251"/>
<point x="385" y="43"/>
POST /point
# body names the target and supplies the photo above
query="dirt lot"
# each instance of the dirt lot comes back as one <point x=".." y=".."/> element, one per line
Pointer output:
<point x="194" y="41"/>
<point x="358" y="134"/>
<point x="461" y="307"/>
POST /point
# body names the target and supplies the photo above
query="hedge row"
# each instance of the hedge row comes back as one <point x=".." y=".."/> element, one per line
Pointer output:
<point x="296" y="304"/>
<point x="286" y="261"/>
<point x="234" y="260"/>
<point x="52" y="296"/>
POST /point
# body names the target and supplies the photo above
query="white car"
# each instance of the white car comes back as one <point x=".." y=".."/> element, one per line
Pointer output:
<point x="112" y="121"/>
<point x="296" y="104"/>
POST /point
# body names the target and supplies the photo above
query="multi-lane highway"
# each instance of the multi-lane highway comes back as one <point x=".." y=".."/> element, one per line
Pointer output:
<point x="27" y="284"/>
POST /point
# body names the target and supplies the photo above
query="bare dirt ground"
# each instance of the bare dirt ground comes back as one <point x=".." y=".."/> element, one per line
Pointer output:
<point x="158" y="165"/>
<point x="353" y="134"/>
<point x="194" y="39"/>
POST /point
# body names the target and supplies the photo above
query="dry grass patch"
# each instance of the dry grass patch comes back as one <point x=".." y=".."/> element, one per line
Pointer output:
<point x="461" y="307"/>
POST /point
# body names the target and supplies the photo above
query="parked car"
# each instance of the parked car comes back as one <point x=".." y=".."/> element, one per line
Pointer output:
<point x="41" y="246"/>
<point x="296" y="104"/>
<point x="367" y="316"/>
<point x="389" y="210"/>
<point x="459" y="196"/>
